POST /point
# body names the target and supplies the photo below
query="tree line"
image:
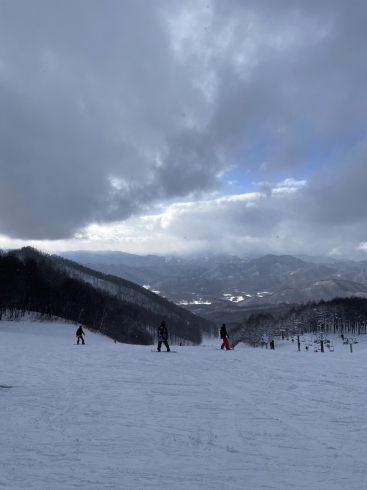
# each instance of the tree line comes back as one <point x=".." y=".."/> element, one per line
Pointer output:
<point x="345" y="316"/>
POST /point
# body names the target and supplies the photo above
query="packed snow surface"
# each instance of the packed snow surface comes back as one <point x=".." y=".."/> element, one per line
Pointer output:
<point x="114" y="416"/>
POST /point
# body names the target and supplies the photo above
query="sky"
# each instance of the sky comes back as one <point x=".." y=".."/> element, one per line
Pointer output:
<point x="172" y="127"/>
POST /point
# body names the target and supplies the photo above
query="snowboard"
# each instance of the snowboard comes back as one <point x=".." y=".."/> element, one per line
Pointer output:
<point x="5" y="386"/>
<point x="174" y="351"/>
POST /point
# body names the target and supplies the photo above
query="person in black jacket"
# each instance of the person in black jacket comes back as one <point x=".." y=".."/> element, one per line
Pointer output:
<point x="224" y="336"/>
<point x="162" y="336"/>
<point x="79" y="335"/>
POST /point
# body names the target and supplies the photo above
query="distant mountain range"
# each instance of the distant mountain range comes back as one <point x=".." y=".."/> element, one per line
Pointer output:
<point x="223" y="285"/>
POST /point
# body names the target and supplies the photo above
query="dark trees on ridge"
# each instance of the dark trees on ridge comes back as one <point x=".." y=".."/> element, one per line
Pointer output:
<point x="31" y="281"/>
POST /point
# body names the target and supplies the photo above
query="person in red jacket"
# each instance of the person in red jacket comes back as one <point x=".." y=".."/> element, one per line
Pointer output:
<point x="224" y="336"/>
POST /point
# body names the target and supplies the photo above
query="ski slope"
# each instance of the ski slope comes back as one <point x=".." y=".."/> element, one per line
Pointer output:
<point x="114" y="416"/>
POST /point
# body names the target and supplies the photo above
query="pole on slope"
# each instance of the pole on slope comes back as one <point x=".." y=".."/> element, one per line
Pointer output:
<point x="298" y="343"/>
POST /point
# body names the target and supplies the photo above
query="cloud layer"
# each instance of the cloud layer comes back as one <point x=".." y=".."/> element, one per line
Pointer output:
<point x="133" y="116"/>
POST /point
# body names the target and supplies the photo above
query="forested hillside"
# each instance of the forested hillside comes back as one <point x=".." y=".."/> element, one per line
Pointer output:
<point x="346" y="316"/>
<point x="34" y="281"/>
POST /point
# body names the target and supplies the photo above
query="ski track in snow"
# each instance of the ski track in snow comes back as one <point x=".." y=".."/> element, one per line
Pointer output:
<point x="115" y="416"/>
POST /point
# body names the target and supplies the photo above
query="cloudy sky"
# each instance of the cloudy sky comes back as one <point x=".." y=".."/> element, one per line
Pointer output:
<point x="175" y="127"/>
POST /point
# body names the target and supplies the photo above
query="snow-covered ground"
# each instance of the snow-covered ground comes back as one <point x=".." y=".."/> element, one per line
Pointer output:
<point x="114" y="416"/>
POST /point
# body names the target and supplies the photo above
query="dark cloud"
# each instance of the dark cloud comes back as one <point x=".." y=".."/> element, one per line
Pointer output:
<point x="110" y="107"/>
<point x="337" y="197"/>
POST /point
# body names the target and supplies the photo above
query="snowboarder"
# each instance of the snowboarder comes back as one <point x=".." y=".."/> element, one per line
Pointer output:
<point x="79" y="335"/>
<point x="224" y="336"/>
<point x="162" y="336"/>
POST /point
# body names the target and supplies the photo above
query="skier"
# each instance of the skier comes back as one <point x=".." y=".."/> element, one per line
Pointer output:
<point x="224" y="336"/>
<point x="162" y="336"/>
<point x="79" y="335"/>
